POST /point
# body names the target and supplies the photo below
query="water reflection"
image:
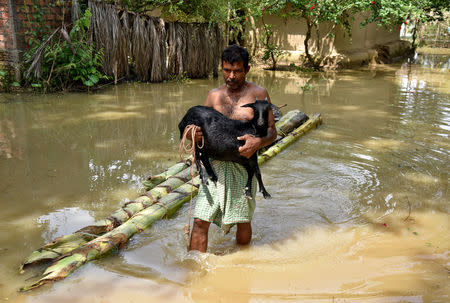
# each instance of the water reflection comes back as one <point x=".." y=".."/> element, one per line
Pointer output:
<point x="116" y="169"/>
<point x="7" y="138"/>
<point x="63" y="222"/>
<point x="434" y="61"/>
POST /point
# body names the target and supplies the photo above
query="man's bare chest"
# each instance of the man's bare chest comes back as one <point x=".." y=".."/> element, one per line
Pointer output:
<point x="233" y="110"/>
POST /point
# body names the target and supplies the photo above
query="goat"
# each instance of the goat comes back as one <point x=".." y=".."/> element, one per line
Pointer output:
<point x="220" y="139"/>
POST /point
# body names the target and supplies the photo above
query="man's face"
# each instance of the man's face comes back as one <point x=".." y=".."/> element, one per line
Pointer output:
<point x="234" y="74"/>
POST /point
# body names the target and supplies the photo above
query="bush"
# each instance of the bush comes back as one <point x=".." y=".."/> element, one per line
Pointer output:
<point x="65" y="60"/>
<point x="7" y="81"/>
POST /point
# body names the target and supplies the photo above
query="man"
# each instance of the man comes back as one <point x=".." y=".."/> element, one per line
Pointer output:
<point x="225" y="203"/>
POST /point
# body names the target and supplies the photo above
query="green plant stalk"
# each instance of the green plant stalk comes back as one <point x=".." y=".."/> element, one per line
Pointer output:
<point x="168" y="205"/>
<point x="160" y="178"/>
<point x="293" y="136"/>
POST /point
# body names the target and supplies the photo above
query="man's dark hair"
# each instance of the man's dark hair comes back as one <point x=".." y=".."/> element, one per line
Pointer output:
<point x="235" y="53"/>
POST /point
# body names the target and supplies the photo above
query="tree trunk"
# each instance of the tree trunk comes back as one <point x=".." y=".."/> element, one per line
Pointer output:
<point x="253" y="34"/>
<point x="306" y="42"/>
<point x="414" y="35"/>
<point x="167" y="206"/>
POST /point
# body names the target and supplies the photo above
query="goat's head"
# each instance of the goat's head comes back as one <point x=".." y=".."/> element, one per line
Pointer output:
<point x="261" y="110"/>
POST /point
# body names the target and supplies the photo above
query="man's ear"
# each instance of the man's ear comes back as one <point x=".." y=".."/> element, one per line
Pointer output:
<point x="247" y="69"/>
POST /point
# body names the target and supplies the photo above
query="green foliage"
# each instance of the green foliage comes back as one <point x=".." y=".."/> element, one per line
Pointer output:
<point x="183" y="78"/>
<point x="184" y="11"/>
<point x="7" y="81"/>
<point x="271" y="50"/>
<point x="37" y="28"/>
<point x="68" y="60"/>
<point x="396" y="12"/>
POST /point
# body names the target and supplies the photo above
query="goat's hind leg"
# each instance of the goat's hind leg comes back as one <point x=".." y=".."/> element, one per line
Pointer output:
<point x="254" y="164"/>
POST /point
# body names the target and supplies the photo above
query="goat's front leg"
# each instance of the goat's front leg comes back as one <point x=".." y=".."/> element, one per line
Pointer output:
<point x="248" y="186"/>
<point x="205" y="160"/>
<point x="255" y="167"/>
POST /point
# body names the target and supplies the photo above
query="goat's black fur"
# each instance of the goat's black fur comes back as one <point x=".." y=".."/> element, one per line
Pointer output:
<point x="221" y="143"/>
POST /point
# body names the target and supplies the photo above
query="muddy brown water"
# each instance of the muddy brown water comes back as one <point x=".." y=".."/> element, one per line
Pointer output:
<point x="360" y="207"/>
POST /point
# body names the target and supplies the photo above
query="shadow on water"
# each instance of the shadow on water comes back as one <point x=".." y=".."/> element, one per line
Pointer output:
<point x="377" y="167"/>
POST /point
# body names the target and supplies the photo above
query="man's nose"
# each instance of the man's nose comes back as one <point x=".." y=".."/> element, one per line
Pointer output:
<point x="232" y="75"/>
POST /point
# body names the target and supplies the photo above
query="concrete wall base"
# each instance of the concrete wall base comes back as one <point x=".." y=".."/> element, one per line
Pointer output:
<point x="353" y="58"/>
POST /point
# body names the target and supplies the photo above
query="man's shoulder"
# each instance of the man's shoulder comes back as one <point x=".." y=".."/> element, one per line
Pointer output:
<point x="257" y="91"/>
<point x="215" y="95"/>
<point x="219" y="91"/>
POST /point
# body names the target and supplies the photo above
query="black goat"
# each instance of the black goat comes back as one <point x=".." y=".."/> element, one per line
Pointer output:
<point x="220" y="134"/>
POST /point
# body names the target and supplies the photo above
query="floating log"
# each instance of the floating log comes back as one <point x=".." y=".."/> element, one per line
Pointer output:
<point x="117" y="238"/>
<point x="153" y="181"/>
<point x="65" y="244"/>
<point x="290" y="138"/>
<point x="290" y="121"/>
<point x="157" y="187"/>
<point x="166" y="206"/>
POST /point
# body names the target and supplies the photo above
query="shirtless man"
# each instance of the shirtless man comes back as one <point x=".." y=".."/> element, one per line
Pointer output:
<point x="228" y="100"/>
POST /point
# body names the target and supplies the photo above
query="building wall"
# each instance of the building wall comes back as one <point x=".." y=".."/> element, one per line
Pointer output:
<point x="290" y="35"/>
<point x="15" y="18"/>
<point x="6" y="44"/>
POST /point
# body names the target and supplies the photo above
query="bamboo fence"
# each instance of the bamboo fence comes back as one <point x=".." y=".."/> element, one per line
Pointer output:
<point x="150" y="49"/>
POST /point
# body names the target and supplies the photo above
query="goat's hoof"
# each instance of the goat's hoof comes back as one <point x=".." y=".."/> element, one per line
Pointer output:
<point x="214" y="179"/>
<point x="248" y="194"/>
<point x="266" y="195"/>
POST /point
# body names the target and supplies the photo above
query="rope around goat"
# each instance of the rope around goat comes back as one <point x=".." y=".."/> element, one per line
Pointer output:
<point x="190" y="149"/>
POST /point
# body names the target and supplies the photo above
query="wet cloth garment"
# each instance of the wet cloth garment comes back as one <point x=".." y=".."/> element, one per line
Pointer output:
<point x="225" y="203"/>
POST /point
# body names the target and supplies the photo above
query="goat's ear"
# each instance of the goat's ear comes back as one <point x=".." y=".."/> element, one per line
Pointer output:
<point x="248" y="105"/>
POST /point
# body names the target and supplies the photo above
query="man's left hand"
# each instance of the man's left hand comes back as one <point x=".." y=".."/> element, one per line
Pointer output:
<point x="252" y="144"/>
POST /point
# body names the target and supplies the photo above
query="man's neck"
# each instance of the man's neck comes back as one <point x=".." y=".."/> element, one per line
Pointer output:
<point x="238" y="90"/>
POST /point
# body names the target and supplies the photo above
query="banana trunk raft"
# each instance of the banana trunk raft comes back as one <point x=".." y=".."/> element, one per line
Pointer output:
<point x="156" y="187"/>
<point x="171" y="189"/>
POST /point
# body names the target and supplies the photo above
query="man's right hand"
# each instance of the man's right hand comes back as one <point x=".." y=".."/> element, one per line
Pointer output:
<point x="198" y="135"/>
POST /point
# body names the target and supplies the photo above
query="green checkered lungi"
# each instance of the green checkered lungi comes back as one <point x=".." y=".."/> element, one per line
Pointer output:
<point x="225" y="203"/>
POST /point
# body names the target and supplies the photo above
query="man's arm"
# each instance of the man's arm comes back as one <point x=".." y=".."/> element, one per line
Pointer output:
<point x="252" y="143"/>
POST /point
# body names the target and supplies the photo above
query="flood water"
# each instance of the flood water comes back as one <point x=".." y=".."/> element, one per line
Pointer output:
<point x="360" y="207"/>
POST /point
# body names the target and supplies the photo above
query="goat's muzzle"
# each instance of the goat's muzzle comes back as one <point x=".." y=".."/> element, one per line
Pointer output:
<point x="260" y="122"/>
